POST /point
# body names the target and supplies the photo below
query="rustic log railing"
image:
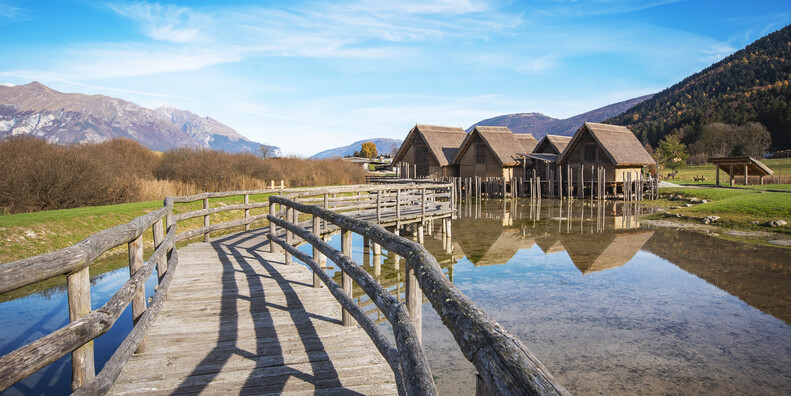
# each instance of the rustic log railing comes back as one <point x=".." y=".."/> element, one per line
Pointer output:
<point x="505" y="365"/>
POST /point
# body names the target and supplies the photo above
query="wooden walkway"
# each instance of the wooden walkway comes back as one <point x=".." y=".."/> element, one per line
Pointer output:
<point x="240" y="321"/>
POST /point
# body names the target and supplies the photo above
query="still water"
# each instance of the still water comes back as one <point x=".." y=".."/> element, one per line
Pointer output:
<point x="609" y="305"/>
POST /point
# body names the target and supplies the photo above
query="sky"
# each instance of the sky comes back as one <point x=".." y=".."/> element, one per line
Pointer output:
<point x="312" y="75"/>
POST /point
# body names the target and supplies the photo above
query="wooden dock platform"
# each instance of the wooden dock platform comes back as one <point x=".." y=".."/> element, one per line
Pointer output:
<point x="239" y="320"/>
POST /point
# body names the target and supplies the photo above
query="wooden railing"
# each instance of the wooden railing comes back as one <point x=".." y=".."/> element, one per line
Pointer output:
<point x="505" y="365"/>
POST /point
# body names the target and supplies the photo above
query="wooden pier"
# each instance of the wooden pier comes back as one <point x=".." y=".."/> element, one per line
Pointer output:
<point x="240" y="320"/>
<point x="235" y="314"/>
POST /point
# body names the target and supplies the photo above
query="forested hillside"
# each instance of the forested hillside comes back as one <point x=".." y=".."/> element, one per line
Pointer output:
<point x="749" y="86"/>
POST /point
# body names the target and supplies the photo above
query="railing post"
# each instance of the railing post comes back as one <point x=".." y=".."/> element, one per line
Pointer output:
<point x="379" y="206"/>
<point x="398" y="206"/>
<point x="316" y="253"/>
<point x="79" y="293"/>
<point x="139" y="299"/>
<point x="414" y="300"/>
<point x="326" y="206"/>
<point x="247" y="211"/>
<point x="289" y="234"/>
<point x="206" y="220"/>
<point x="272" y="228"/>
<point x="159" y="236"/>
<point x="346" y="280"/>
<point x="423" y="205"/>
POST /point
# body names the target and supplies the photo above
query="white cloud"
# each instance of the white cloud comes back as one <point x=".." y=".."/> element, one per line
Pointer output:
<point x="164" y="23"/>
<point x="11" y="13"/>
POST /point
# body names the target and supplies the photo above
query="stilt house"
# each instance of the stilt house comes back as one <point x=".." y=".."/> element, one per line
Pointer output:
<point x="612" y="147"/>
<point x="430" y="150"/>
<point x="552" y="144"/>
<point x="490" y="151"/>
<point x="544" y="156"/>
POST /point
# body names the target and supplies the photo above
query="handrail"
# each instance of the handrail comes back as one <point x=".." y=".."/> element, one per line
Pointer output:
<point x="504" y="363"/>
<point x="409" y="364"/>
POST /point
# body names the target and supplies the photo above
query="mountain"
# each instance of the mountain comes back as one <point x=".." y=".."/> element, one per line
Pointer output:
<point x="68" y="118"/>
<point x="750" y="85"/>
<point x="540" y="125"/>
<point x="383" y="146"/>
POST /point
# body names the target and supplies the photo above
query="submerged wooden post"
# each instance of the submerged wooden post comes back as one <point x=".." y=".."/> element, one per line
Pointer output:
<point x="159" y="236"/>
<point x="289" y="234"/>
<point x="346" y="280"/>
<point x="316" y="253"/>
<point x="247" y="211"/>
<point x="206" y="220"/>
<point x="139" y="299"/>
<point x="79" y="294"/>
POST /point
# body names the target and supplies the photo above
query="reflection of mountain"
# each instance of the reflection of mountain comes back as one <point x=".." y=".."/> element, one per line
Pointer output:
<point x="597" y="252"/>
<point x="757" y="275"/>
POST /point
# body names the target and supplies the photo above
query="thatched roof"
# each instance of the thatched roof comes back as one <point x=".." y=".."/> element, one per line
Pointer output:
<point x="552" y="144"/>
<point x="754" y="167"/>
<point x="527" y="141"/>
<point x="618" y="143"/>
<point x="503" y="143"/>
<point x="443" y="142"/>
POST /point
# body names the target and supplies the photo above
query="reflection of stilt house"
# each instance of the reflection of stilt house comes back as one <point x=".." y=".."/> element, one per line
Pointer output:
<point x="611" y="147"/>
<point x="428" y="150"/>
<point x="491" y="152"/>
<point x="598" y="252"/>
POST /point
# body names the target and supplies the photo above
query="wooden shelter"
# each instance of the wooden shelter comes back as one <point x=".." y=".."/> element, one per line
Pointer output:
<point x="743" y="166"/>
<point x="430" y="149"/>
<point x="490" y="151"/>
<point x="612" y="147"/>
<point x="552" y="144"/>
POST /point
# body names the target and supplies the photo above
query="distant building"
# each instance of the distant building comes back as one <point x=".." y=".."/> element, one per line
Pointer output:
<point x="612" y="147"/>
<point x="491" y="151"/>
<point x="552" y="144"/>
<point x="430" y="149"/>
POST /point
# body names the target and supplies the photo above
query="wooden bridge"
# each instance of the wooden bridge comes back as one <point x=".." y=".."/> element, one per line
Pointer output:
<point x="234" y="314"/>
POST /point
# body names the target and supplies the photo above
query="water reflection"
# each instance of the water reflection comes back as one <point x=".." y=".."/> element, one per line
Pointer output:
<point x="609" y="305"/>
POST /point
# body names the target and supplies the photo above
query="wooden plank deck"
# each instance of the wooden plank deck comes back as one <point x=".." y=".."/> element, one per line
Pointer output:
<point x="240" y="321"/>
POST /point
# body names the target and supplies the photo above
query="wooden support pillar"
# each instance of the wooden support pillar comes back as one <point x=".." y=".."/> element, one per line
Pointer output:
<point x="377" y="258"/>
<point x="79" y="294"/>
<point x="316" y="254"/>
<point x="289" y="235"/>
<point x="420" y="230"/>
<point x="731" y="175"/>
<point x="272" y="229"/>
<point x="206" y="220"/>
<point x="414" y="301"/>
<point x="745" y="175"/>
<point x="346" y="280"/>
<point x="139" y="299"/>
<point x="247" y="211"/>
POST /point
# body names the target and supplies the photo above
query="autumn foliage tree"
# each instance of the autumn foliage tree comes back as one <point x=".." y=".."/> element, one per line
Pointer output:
<point x="368" y="150"/>
<point x="671" y="153"/>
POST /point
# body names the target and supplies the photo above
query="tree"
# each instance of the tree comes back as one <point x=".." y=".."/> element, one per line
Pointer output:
<point x="671" y="152"/>
<point x="266" y="151"/>
<point x="368" y="150"/>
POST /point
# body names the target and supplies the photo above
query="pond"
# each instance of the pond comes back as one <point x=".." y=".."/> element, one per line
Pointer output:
<point x="607" y="304"/>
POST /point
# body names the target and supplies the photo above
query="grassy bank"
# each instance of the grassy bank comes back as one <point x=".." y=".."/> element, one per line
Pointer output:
<point x="738" y="208"/>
